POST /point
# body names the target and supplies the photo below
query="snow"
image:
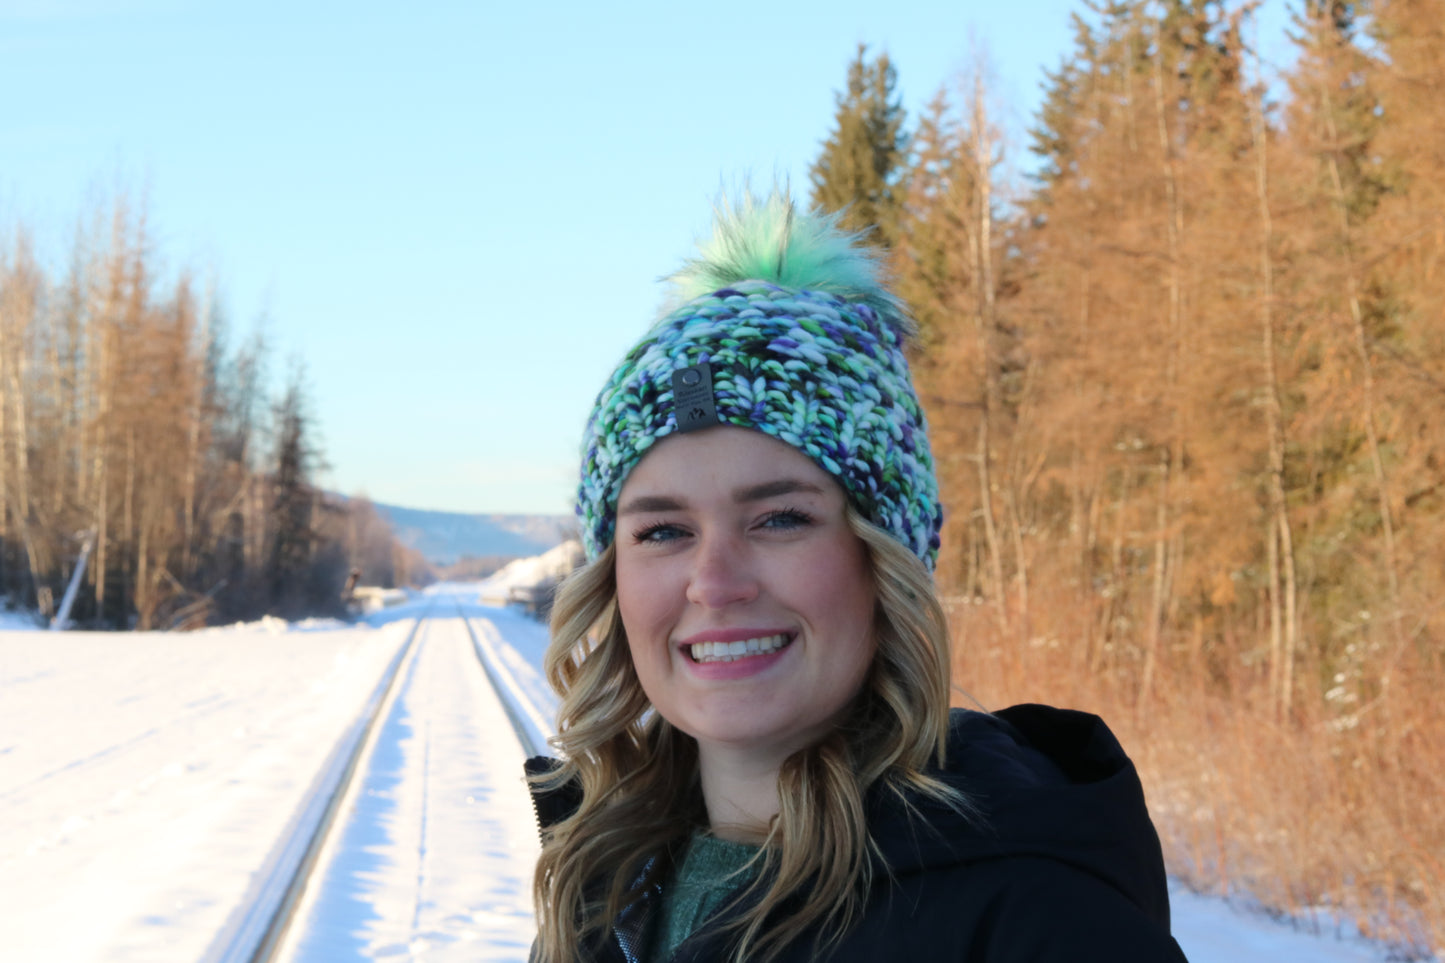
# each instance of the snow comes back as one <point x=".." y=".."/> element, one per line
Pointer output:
<point x="526" y="574"/>
<point x="372" y="598"/>
<point x="513" y="646"/>
<point x="1212" y="930"/>
<point x="18" y="621"/>
<point x="145" y="778"/>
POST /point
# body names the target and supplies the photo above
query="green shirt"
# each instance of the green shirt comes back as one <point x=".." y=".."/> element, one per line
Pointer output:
<point x="710" y="871"/>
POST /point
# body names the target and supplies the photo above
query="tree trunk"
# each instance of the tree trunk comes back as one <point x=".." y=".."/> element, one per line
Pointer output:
<point x="1170" y="460"/>
<point x="1283" y="620"/>
<point x="980" y="240"/>
<point x="17" y="314"/>
<point x="1368" y="406"/>
<point x="104" y="388"/>
<point x="195" y="412"/>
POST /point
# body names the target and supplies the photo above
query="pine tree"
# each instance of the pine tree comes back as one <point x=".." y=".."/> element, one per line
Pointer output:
<point x="1130" y="309"/>
<point x="935" y="278"/>
<point x="292" y="500"/>
<point x="927" y="260"/>
<point x="1328" y="189"/>
<point x="1400" y="331"/>
<point x="863" y="158"/>
<point x="1064" y="110"/>
<point x="949" y="262"/>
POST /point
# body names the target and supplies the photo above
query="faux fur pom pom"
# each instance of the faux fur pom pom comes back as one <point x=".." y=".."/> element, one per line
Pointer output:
<point x="769" y="239"/>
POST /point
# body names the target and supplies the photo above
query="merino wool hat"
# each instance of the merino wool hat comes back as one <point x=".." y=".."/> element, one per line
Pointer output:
<point x="782" y="325"/>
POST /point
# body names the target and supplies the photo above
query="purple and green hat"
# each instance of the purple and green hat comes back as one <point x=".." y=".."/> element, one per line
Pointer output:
<point x="783" y="327"/>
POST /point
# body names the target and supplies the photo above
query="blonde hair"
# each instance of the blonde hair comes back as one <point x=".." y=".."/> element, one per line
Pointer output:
<point x="640" y="794"/>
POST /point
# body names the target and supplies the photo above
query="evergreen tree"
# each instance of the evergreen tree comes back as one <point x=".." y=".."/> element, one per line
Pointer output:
<point x="1063" y="110"/>
<point x="927" y="261"/>
<point x="1333" y="184"/>
<point x="948" y="259"/>
<point x="292" y="501"/>
<point x="863" y="158"/>
<point x="1396" y="328"/>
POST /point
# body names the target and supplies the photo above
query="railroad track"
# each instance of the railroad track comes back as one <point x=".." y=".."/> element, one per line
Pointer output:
<point x="258" y="932"/>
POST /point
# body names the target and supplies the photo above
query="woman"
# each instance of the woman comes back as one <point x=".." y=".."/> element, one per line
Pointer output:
<point x="759" y="761"/>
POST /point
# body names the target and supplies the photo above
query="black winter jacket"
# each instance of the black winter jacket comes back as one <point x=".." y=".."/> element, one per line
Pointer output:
<point x="1064" y="864"/>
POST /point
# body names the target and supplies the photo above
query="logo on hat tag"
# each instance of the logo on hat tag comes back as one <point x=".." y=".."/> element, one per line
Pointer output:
<point x="692" y="400"/>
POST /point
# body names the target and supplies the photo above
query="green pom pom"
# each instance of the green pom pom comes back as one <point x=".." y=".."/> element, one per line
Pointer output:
<point x="769" y="239"/>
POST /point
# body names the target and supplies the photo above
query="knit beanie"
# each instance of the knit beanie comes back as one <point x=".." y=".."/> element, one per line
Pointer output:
<point x="780" y="324"/>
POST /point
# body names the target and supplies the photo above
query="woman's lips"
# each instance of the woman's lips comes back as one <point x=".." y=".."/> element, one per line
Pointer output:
<point x="734" y="653"/>
<point x="717" y="651"/>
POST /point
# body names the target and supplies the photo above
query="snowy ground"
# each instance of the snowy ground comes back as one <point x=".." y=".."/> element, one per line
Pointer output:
<point x="1210" y="930"/>
<point x="145" y="777"/>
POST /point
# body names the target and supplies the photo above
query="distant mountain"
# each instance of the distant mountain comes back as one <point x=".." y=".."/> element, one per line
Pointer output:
<point x="444" y="537"/>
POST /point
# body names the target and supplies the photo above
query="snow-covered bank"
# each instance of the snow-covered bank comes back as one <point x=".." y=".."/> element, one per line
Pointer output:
<point x="144" y="777"/>
<point x="11" y="621"/>
<point x="1212" y="930"/>
<point x="524" y="579"/>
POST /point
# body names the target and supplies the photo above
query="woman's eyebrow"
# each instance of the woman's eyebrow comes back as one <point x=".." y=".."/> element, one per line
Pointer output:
<point x="772" y="489"/>
<point x="651" y="503"/>
<point x="643" y="504"/>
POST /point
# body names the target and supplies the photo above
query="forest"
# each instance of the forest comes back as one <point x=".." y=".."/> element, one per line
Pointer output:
<point x="134" y="436"/>
<point x="1186" y="386"/>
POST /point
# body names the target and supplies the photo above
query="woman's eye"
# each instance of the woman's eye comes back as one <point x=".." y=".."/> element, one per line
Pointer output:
<point x="658" y="532"/>
<point x="787" y="518"/>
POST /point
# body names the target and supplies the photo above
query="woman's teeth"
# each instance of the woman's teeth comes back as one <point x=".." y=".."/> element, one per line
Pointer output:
<point x="732" y="651"/>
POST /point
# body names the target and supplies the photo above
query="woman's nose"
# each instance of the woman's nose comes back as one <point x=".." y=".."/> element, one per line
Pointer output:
<point x="722" y="574"/>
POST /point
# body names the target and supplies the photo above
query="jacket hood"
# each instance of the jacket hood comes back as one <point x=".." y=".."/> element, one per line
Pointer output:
<point x="1044" y="782"/>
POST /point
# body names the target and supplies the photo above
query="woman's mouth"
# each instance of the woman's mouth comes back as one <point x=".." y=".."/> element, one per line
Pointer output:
<point x="709" y="652"/>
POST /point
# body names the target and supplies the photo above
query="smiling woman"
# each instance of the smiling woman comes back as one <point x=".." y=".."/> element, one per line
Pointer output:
<point x="758" y="757"/>
<point x="748" y="604"/>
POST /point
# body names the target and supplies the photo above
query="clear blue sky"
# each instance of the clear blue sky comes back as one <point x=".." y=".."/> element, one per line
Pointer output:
<point x="455" y="213"/>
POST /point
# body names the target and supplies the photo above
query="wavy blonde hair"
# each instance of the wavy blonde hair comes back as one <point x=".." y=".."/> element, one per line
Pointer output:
<point x="640" y="793"/>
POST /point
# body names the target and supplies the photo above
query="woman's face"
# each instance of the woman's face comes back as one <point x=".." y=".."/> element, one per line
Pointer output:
<point x="748" y="601"/>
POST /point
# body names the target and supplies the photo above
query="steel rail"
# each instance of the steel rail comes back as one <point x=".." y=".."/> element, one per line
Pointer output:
<point x="529" y="724"/>
<point x="255" y="932"/>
